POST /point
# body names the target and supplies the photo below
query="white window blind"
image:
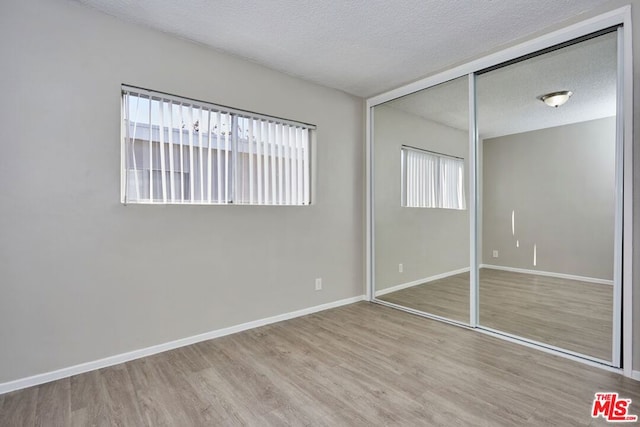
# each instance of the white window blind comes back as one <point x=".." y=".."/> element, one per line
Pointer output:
<point x="432" y="180"/>
<point x="177" y="150"/>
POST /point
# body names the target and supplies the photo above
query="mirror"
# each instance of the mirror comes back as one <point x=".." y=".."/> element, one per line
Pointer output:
<point x="547" y="185"/>
<point x="421" y="201"/>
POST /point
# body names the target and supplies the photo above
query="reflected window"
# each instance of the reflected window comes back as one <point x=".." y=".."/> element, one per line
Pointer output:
<point x="432" y="180"/>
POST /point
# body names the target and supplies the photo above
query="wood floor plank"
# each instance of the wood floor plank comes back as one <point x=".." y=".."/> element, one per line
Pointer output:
<point x="311" y="379"/>
<point x="223" y="404"/>
<point x="53" y="407"/>
<point x="358" y="365"/>
<point x="157" y="398"/>
<point x="281" y="364"/>
<point x="89" y="400"/>
<point x="81" y="418"/>
<point x="124" y="409"/>
<point x="19" y="408"/>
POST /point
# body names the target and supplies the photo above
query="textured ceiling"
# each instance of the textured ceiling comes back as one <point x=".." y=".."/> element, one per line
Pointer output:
<point x="363" y="47"/>
<point x="507" y="98"/>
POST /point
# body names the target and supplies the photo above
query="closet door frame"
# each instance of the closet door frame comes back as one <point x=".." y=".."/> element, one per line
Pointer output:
<point x="622" y="346"/>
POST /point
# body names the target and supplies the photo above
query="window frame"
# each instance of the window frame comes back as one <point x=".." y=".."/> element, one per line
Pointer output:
<point x="305" y="151"/>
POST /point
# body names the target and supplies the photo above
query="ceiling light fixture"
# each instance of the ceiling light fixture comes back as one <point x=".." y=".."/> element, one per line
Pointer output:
<point x="556" y="99"/>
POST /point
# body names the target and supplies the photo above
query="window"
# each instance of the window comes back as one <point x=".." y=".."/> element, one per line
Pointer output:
<point x="180" y="151"/>
<point x="432" y="180"/>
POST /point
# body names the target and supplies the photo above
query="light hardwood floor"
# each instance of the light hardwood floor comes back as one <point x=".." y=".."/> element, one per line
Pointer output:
<point x="569" y="314"/>
<point x="358" y="365"/>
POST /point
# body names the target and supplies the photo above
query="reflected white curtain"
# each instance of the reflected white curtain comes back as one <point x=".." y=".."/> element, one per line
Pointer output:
<point x="421" y="179"/>
<point x="452" y="183"/>
<point x="431" y="180"/>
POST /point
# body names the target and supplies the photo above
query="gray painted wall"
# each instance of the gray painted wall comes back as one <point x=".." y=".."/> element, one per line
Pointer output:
<point x="70" y="290"/>
<point x="426" y="241"/>
<point x="84" y="277"/>
<point x="561" y="183"/>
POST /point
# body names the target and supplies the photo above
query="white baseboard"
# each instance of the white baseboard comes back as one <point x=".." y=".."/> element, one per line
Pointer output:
<point x="421" y="281"/>
<point x="635" y="375"/>
<point x="549" y="274"/>
<point x="148" y="351"/>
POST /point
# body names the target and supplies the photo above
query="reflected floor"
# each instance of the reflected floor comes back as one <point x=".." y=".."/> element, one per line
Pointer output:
<point x="569" y="314"/>
<point x="448" y="297"/>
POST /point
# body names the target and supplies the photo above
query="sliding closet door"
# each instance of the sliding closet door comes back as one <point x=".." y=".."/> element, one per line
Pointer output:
<point x="421" y="201"/>
<point x="548" y="206"/>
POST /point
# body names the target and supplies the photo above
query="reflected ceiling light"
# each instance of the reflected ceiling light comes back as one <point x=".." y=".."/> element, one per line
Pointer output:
<point x="556" y="99"/>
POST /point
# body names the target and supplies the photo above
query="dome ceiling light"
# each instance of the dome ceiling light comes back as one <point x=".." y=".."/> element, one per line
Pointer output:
<point x="556" y="99"/>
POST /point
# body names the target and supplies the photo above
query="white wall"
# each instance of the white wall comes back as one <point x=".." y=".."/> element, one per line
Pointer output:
<point x="426" y="241"/>
<point x="83" y="277"/>
<point x="560" y="182"/>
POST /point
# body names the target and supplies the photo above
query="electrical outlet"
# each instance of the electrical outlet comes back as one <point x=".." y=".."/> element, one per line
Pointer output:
<point x="495" y="254"/>
<point x="400" y="268"/>
<point x="319" y="284"/>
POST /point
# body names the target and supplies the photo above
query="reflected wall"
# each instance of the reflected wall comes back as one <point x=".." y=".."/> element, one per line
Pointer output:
<point x="422" y="253"/>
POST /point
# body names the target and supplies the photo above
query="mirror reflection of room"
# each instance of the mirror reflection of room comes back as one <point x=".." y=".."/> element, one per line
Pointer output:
<point x="548" y="205"/>
<point x="546" y="187"/>
<point x="421" y="199"/>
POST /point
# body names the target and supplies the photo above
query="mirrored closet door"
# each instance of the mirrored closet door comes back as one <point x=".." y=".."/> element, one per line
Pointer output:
<point x="421" y="201"/>
<point x="547" y="140"/>
<point x="496" y="197"/>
